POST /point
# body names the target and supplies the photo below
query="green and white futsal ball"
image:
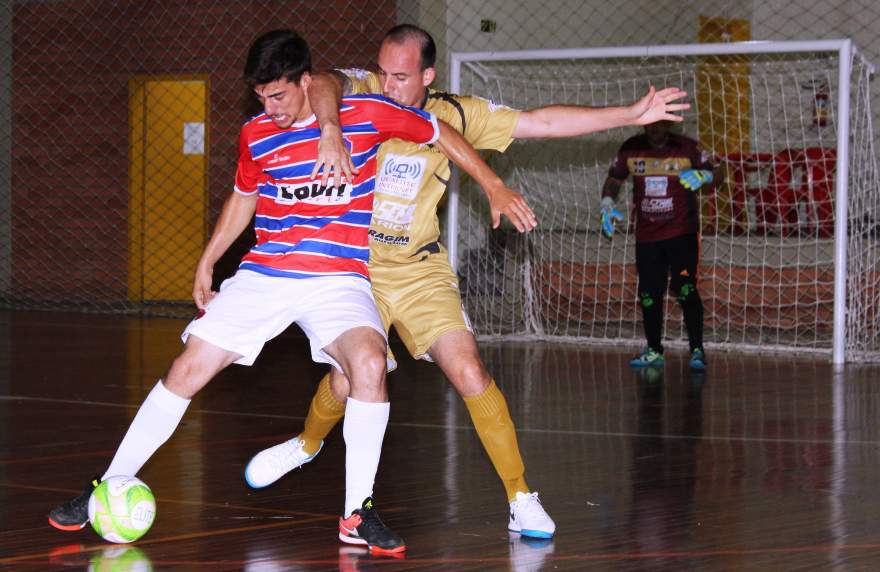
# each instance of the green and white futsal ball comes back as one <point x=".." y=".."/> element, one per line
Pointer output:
<point x="122" y="509"/>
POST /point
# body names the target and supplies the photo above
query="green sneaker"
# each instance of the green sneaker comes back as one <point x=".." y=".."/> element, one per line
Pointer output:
<point x="698" y="360"/>
<point x="649" y="357"/>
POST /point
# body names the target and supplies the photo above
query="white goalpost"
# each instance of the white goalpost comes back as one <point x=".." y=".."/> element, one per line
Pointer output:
<point x="790" y="255"/>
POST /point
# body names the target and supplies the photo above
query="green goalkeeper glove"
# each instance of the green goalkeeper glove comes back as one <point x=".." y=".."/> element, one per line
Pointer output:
<point x="693" y="179"/>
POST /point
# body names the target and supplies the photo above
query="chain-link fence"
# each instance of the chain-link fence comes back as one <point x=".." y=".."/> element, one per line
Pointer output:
<point x="119" y="119"/>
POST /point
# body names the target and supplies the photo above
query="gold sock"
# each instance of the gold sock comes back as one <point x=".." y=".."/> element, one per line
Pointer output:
<point x="324" y="413"/>
<point x="498" y="435"/>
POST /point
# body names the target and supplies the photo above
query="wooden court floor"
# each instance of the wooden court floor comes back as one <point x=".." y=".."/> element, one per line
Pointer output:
<point x="764" y="463"/>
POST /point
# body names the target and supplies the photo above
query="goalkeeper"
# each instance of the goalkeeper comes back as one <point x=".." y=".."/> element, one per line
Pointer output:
<point x="667" y="171"/>
<point x="415" y="288"/>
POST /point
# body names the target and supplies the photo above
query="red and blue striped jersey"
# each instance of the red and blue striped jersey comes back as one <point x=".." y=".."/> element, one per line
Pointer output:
<point x="306" y="230"/>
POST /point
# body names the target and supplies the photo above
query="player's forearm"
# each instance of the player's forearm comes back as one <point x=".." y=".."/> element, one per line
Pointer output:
<point x="570" y="121"/>
<point x="460" y="152"/>
<point x="611" y="188"/>
<point x="234" y="218"/>
<point x="325" y="96"/>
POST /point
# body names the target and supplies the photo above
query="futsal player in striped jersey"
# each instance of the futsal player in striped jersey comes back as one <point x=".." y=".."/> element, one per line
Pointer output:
<point x="309" y="266"/>
<point x="415" y="287"/>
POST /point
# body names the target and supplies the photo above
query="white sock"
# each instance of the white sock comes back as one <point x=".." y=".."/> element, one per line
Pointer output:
<point x="363" y="430"/>
<point x="156" y="420"/>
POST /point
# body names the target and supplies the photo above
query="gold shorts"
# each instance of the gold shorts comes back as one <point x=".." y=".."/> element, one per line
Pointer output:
<point x="420" y="299"/>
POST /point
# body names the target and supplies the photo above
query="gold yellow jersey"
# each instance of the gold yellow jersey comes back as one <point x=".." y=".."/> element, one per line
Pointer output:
<point x="411" y="179"/>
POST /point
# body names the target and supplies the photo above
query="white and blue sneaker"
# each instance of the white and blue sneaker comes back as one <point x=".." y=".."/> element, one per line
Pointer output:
<point x="529" y="518"/>
<point x="271" y="464"/>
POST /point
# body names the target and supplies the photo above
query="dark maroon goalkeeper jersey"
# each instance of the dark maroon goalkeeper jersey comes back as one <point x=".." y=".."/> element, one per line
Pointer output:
<point x="664" y="209"/>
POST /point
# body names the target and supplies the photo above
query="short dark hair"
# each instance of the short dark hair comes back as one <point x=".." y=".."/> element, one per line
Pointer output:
<point x="403" y="32"/>
<point x="275" y="55"/>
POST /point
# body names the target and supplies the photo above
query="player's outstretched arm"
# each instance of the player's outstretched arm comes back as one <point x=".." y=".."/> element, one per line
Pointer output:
<point x="325" y="95"/>
<point x="235" y="217"/>
<point x="572" y="120"/>
<point x="502" y="200"/>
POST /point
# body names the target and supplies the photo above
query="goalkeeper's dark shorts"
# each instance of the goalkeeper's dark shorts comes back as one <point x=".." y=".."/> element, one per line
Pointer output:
<point x="420" y="299"/>
<point x="673" y="262"/>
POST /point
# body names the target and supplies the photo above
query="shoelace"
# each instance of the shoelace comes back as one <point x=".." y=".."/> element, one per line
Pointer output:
<point x="78" y="503"/>
<point x="282" y="457"/>
<point x="370" y="519"/>
<point x="531" y="504"/>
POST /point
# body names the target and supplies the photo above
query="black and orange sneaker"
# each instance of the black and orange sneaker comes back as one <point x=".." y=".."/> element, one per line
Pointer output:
<point x="74" y="514"/>
<point x="365" y="527"/>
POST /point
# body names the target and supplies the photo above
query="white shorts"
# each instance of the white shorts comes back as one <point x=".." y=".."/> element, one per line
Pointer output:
<point x="252" y="308"/>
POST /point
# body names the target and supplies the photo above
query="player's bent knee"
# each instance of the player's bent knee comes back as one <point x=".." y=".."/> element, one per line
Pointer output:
<point x="373" y="364"/>
<point x="186" y="376"/>
<point x="367" y="375"/>
<point x="470" y="378"/>
<point x="196" y="366"/>
<point x="685" y="292"/>
<point x="647" y="300"/>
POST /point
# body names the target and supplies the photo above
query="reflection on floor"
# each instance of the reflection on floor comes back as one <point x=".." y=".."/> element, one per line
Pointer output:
<point x="759" y="463"/>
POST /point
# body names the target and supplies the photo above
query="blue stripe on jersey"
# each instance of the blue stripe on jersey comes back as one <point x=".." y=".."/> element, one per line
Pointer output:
<point x="364" y="188"/>
<point x="292" y="171"/>
<point x="383" y="99"/>
<point x="273" y="142"/>
<point x="292" y="273"/>
<point x="307" y="246"/>
<point x="274" y="248"/>
<point x="275" y="224"/>
<point x="304" y="168"/>
<point x="361" y="253"/>
<point x="361" y="159"/>
<point x="279" y="224"/>
<point x="359" y="128"/>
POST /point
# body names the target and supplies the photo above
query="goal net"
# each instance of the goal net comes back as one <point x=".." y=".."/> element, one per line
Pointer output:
<point x="768" y="277"/>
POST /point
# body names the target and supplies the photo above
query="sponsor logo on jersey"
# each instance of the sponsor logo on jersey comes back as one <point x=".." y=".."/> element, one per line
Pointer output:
<point x="648" y="166"/>
<point x="313" y="193"/>
<point x="396" y="240"/>
<point x="401" y="176"/>
<point x="656" y="206"/>
<point x="276" y="158"/>
<point x="656" y="186"/>
<point x="393" y="215"/>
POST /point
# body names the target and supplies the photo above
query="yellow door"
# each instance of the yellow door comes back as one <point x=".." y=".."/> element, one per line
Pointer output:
<point x="167" y="184"/>
<point x="724" y="103"/>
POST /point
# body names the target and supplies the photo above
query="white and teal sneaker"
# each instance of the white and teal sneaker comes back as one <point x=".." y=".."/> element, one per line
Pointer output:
<point x="271" y="464"/>
<point x="529" y="518"/>
<point x="649" y="357"/>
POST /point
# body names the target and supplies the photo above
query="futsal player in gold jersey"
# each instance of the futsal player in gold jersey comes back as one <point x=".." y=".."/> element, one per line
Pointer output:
<point x="413" y="283"/>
